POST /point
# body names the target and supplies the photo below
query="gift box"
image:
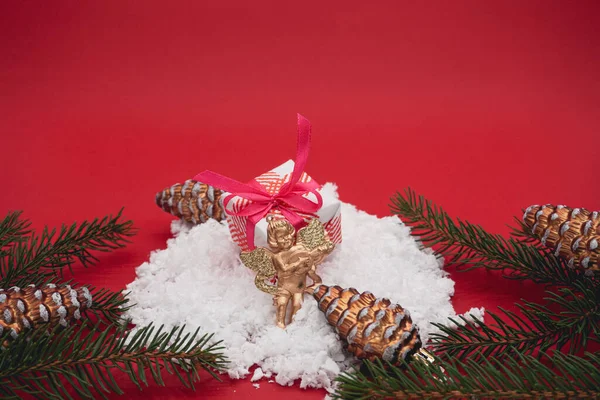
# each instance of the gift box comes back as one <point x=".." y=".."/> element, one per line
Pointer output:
<point x="272" y="181"/>
<point x="284" y="192"/>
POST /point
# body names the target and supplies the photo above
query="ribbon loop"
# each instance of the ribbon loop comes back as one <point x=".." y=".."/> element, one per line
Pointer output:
<point x="290" y="200"/>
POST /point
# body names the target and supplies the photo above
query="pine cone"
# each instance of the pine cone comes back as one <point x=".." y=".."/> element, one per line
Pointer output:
<point x="372" y="327"/>
<point x="573" y="233"/>
<point x="193" y="202"/>
<point x="30" y="307"/>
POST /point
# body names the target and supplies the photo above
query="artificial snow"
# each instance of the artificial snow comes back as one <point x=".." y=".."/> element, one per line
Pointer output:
<point x="258" y="374"/>
<point x="471" y="315"/>
<point x="199" y="281"/>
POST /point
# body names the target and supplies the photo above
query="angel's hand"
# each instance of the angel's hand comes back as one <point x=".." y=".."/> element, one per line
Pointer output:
<point x="298" y="264"/>
<point x="322" y="250"/>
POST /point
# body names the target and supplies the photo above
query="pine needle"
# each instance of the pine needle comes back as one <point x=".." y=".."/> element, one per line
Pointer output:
<point x="34" y="259"/>
<point x="12" y="229"/>
<point x="108" y="306"/>
<point x="69" y="361"/>
<point x="569" y="319"/>
<point x="520" y="377"/>
<point x="535" y="328"/>
<point x="470" y="246"/>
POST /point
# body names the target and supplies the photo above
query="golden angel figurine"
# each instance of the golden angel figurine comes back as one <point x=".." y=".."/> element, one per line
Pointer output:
<point x="290" y="260"/>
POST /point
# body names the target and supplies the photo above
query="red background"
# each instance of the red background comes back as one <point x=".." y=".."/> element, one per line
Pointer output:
<point x="483" y="107"/>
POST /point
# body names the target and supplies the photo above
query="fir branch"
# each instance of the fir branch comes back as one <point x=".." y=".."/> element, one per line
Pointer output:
<point x="41" y="257"/>
<point x="521" y="377"/>
<point x="52" y="366"/>
<point x="463" y="243"/>
<point x="108" y="306"/>
<point x="12" y="229"/>
<point x="537" y="327"/>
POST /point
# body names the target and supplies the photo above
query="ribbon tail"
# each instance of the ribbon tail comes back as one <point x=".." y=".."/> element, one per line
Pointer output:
<point x="302" y="150"/>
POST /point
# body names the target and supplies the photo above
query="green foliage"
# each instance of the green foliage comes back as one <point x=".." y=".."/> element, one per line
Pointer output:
<point x="108" y="306"/>
<point x="12" y="229"/>
<point x="77" y="361"/>
<point x="52" y="366"/>
<point x="536" y="327"/>
<point x="501" y="358"/>
<point x="517" y="377"/>
<point x="26" y="258"/>
<point x="575" y="296"/>
<point x="466" y="244"/>
<point x="33" y="259"/>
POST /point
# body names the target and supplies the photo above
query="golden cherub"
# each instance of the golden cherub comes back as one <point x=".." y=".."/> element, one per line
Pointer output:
<point x="290" y="262"/>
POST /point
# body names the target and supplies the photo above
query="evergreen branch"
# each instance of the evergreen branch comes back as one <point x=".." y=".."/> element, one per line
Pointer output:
<point x="108" y="306"/>
<point x="12" y="229"/>
<point x="52" y="366"/>
<point x="463" y="243"/>
<point x="538" y="327"/>
<point x="520" y="377"/>
<point x="41" y="257"/>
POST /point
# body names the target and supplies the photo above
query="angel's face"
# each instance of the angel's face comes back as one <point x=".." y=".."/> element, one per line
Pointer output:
<point x="284" y="239"/>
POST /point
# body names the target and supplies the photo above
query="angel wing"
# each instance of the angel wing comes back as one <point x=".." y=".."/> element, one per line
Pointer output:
<point x="260" y="261"/>
<point x="313" y="235"/>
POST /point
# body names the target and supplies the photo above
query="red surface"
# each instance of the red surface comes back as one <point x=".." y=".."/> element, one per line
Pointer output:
<point x="484" y="108"/>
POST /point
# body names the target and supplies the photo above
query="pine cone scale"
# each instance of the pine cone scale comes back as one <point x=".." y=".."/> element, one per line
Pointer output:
<point x="30" y="307"/>
<point x="192" y="201"/>
<point x="372" y="327"/>
<point x="572" y="233"/>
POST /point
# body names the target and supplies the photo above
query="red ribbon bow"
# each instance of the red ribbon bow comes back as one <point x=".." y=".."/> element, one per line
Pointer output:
<point x="289" y="200"/>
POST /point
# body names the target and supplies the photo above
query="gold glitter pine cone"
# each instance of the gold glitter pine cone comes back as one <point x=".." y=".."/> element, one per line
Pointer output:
<point x="372" y="327"/>
<point x="33" y="306"/>
<point x="573" y="233"/>
<point x="193" y="202"/>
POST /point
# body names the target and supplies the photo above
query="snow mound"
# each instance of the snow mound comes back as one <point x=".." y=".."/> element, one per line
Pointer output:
<point x="199" y="281"/>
